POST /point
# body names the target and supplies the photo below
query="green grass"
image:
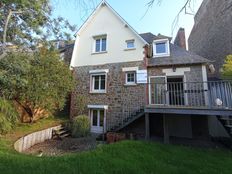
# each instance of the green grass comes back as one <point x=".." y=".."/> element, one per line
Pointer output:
<point x="123" y="157"/>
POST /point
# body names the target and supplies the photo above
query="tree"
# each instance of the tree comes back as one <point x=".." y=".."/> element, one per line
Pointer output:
<point x="38" y="82"/>
<point x="26" y="22"/>
<point x="227" y="67"/>
<point x="8" y="116"/>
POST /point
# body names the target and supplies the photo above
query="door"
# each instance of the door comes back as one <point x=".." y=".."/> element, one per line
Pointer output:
<point x="97" y="120"/>
<point x="175" y="88"/>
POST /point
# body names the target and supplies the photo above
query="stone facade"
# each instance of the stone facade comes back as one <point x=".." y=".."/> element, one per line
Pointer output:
<point x="211" y="36"/>
<point x="120" y="98"/>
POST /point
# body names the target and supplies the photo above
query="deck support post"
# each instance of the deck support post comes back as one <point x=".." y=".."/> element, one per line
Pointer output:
<point x="147" y="126"/>
<point x="166" y="130"/>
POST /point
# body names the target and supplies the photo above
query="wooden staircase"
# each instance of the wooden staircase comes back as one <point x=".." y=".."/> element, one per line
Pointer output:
<point x="226" y="121"/>
<point x="127" y="120"/>
<point x="60" y="133"/>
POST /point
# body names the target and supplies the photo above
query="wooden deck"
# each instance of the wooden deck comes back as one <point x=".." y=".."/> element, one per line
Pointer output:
<point x="186" y="110"/>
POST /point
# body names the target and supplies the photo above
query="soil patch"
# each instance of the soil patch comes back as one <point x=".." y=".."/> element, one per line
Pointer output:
<point x="55" y="147"/>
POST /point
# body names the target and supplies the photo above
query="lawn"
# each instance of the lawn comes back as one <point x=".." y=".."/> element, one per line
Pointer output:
<point x="123" y="157"/>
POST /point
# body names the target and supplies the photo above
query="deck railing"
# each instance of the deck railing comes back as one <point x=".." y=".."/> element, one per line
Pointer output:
<point x="211" y="94"/>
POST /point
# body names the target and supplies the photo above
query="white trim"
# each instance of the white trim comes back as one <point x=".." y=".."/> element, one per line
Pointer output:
<point x="178" y="71"/>
<point x="167" y="44"/>
<point x="96" y="71"/>
<point x="98" y="107"/>
<point x="97" y="128"/>
<point x="99" y="37"/>
<point x="130" y="48"/>
<point x="205" y="84"/>
<point x="130" y="69"/>
<point x="126" y="79"/>
<point x="104" y="3"/>
<point x="92" y="90"/>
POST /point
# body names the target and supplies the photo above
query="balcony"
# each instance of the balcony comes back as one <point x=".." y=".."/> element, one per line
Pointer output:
<point x="212" y="97"/>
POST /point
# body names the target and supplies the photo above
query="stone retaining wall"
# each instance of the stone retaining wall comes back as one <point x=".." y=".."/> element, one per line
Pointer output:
<point x="28" y="141"/>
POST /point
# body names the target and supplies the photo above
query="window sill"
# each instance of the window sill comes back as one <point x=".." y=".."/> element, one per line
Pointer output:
<point x="97" y="92"/>
<point x="129" y="49"/>
<point x="130" y="84"/>
<point x="102" y="52"/>
<point x="161" y="55"/>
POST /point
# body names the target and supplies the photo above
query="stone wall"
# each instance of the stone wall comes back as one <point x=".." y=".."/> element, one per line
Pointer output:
<point x="28" y="141"/>
<point x="211" y="36"/>
<point x="120" y="98"/>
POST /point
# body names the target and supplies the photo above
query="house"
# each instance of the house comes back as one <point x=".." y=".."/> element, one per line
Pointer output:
<point x="211" y="34"/>
<point x="140" y="83"/>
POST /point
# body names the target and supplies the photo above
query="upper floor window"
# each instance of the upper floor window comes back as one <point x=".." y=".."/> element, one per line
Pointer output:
<point x="161" y="48"/>
<point x="100" y="44"/>
<point x="130" y="44"/>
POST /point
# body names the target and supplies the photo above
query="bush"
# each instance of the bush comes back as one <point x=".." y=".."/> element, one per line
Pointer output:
<point x="81" y="126"/>
<point x="8" y="116"/>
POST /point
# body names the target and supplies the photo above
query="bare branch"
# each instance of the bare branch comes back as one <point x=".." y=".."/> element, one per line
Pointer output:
<point x="185" y="8"/>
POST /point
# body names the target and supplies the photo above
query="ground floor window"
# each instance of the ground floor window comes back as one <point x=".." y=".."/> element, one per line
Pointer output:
<point x="97" y="120"/>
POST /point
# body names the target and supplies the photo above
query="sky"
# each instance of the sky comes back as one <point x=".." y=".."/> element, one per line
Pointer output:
<point x="158" y="19"/>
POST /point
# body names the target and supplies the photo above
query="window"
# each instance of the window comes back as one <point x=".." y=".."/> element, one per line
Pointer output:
<point x="97" y="120"/>
<point x="100" y="44"/>
<point x="161" y="48"/>
<point x="130" y="78"/>
<point x="130" y="44"/>
<point x="98" y="83"/>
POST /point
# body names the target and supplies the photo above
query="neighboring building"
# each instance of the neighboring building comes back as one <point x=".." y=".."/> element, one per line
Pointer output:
<point x="66" y="53"/>
<point x="211" y="36"/>
<point x="139" y="83"/>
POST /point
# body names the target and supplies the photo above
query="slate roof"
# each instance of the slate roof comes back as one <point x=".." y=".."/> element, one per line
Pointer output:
<point x="178" y="56"/>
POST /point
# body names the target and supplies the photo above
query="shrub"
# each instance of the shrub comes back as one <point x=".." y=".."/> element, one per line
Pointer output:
<point x="8" y="116"/>
<point x="81" y="126"/>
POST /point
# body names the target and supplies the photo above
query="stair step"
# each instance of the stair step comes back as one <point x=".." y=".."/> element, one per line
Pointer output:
<point x="225" y="118"/>
<point x="61" y="132"/>
<point x="229" y="126"/>
<point x="64" y="135"/>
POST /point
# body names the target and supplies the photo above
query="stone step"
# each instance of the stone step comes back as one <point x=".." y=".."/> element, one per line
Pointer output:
<point x="225" y="118"/>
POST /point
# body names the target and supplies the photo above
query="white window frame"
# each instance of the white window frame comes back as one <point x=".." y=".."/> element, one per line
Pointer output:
<point x="98" y="128"/>
<point x="92" y="82"/>
<point x="100" y="37"/>
<point x="126" y="78"/>
<point x="130" y="48"/>
<point x="167" y="53"/>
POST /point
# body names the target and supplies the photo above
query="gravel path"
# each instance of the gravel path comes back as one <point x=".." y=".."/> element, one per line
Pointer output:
<point x="59" y="147"/>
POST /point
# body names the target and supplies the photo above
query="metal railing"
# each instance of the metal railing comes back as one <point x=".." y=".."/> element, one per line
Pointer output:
<point x="211" y="94"/>
<point x="128" y="110"/>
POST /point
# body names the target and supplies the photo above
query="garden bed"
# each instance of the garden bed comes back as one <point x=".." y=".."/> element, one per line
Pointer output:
<point x="55" y="147"/>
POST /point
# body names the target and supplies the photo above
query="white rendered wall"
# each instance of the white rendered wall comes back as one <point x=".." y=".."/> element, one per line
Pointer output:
<point x="106" y="22"/>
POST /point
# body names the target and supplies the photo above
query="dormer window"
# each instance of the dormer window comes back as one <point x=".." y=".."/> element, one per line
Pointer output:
<point x="161" y="48"/>
<point x="100" y="43"/>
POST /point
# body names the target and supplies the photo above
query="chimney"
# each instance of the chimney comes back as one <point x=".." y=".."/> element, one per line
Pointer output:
<point x="180" y="38"/>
